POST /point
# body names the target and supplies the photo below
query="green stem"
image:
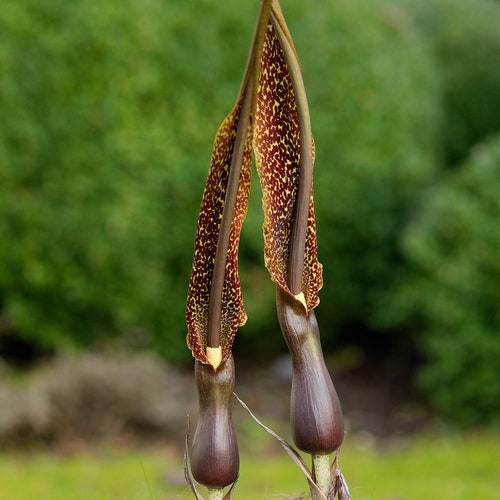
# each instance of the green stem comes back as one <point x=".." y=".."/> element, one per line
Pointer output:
<point x="321" y="467"/>
<point x="215" y="493"/>
<point x="304" y="189"/>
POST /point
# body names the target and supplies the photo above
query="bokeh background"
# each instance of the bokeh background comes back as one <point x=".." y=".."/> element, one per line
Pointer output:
<point x="108" y="112"/>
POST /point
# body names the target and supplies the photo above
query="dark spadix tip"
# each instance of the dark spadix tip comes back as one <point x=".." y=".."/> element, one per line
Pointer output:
<point x="315" y="411"/>
<point x="214" y="450"/>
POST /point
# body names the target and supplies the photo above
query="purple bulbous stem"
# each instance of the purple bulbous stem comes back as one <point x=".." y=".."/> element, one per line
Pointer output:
<point x="214" y="450"/>
<point x="315" y="411"/>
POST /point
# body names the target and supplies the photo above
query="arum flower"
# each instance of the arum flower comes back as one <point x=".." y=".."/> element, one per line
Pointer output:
<point x="214" y="309"/>
<point x="270" y="117"/>
<point x="284" y="152"/>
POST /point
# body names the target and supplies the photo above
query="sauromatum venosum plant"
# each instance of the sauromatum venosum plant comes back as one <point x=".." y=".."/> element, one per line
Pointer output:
<point x="270" y="118"/>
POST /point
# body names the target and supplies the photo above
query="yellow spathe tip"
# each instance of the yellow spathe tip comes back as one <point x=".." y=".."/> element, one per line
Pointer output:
<point x="214" y="356"/>
<point x="300" y="297"/>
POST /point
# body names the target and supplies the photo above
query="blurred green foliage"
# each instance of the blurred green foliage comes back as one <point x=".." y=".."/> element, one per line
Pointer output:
<point x="375" y="113"/>
<point x="451" y="296"/>
<point x="454" y="467"/>
<point x="107" y="116"/>
<point x="107" y="112"/>
<point x="465" y="39"/>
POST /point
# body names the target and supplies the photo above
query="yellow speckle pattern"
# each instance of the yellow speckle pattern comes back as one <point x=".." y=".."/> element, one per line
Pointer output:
<point x="207" y="232"/>
<point x="277" y="152"/>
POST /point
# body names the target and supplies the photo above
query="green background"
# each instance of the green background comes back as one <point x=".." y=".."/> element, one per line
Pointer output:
<point x="108" y="111"/>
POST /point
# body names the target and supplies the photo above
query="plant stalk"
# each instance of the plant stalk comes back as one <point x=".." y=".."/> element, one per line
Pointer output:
<point x="215" y="493"/>
<point x="321" y="471"/>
